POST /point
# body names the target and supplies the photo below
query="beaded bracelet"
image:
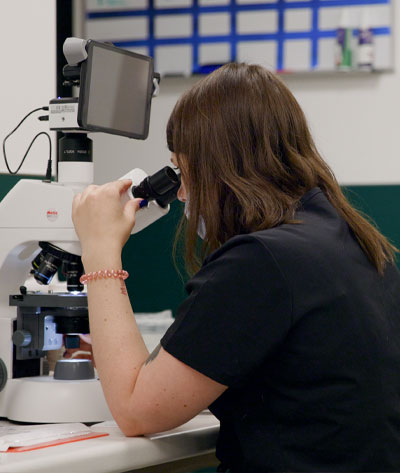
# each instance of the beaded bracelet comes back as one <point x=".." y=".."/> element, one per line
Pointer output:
<point x="104" y="274"/>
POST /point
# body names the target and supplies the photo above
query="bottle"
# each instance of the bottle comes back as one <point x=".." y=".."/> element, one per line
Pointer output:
<point x="344" y="54"/>
<point x="365" y="49"/>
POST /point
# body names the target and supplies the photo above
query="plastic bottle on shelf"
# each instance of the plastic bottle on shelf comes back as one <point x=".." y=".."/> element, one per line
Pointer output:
<point x="365" y="49"/>
<point x="344" y="53"/>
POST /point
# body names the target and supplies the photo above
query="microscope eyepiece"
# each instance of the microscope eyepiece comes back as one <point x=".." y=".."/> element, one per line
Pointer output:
<point x="161" y="187"/>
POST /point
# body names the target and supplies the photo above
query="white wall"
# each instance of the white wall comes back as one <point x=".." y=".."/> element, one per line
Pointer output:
<point x="356" y="123"/>
<point x="355" y="119"/>
<point x="27" y="77"/>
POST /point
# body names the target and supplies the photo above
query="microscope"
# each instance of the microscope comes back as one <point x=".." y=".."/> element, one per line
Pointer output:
<point x="39" y="311"/>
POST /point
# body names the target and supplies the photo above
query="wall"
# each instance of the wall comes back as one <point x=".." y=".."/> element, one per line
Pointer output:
<point x="28" y="65"/>
<point x="355" y="122"/>
<point x="353" y="116"/>
<point x="354" y="119"/>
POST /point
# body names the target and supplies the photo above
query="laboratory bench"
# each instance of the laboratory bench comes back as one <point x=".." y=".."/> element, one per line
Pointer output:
<point x="181" y="450"/>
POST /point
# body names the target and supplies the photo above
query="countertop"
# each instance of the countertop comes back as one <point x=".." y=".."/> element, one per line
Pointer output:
<point x="116" y="453"/>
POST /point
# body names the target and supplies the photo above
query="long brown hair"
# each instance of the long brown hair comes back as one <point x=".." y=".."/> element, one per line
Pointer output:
<point x="247" y="157"/>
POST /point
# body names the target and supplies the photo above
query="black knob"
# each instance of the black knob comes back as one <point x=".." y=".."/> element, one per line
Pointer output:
<point x="74" y="369"/>
<point x="21" y="338"/>
<point x="3" y="374"/>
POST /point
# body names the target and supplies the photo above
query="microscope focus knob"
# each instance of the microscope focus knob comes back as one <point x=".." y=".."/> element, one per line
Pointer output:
<point x="3" y="374"/>
<point x="21" y="338"/>
<point x="74" y="369"/>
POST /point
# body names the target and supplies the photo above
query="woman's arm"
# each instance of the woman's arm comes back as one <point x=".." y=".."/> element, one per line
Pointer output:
<point x="145" y="393"/>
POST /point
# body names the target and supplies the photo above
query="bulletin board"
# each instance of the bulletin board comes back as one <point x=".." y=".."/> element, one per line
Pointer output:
<point x="195" y="36"/>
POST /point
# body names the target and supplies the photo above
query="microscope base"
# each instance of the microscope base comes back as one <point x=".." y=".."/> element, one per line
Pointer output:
<point x="43" y="399"/>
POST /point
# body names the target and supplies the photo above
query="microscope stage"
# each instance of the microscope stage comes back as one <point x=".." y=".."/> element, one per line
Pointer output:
<point x="43" y="299"/>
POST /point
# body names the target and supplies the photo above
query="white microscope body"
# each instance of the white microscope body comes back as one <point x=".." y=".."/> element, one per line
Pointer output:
<point x="36" y="211"/>
<point x="34" y="319"/>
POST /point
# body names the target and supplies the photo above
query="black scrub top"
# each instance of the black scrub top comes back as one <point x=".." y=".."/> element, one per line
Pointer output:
<point x="305" y="333"/>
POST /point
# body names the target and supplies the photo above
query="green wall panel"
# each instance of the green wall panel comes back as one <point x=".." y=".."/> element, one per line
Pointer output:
<point x="7" y="182"/>
<point x="381" y="205"/>
<point x="154" y="283"/>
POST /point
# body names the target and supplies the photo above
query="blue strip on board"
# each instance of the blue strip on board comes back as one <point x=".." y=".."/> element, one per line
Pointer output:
<point x="206" y="69"/>
<point x="151" y="29"/>
<point x="195" y="48"/>
<point x="383" y="31"/>
<point x="177" y="11"/>
<point x="281" y="10"/>
<point x="314" y="42"/>
<point x="233" y="31"/>
<point x="238" y="7"/>
<point x="249" y="37"/>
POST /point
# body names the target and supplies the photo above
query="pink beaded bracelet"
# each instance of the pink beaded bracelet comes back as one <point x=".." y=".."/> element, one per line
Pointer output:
<point x="104" y="274"/>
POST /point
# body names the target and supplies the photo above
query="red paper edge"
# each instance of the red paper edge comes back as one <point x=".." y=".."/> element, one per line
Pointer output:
<point x="94" y="435"/>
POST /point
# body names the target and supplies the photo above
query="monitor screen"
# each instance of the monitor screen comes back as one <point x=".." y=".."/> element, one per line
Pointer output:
<point x="116" y="91"/>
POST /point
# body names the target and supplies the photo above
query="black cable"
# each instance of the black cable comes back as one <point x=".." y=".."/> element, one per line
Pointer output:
<point x="30" y="145"/>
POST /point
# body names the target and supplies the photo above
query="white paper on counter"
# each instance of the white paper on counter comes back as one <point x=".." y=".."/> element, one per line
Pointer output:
<point x="12" y="435"/>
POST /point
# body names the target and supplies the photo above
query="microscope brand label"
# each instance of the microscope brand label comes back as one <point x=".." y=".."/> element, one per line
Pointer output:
<point x="65" y="108"/>
<point x="52" y="215"/>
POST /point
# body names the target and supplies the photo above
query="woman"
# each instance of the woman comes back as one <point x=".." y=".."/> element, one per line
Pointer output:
<point x="291" y="329"/>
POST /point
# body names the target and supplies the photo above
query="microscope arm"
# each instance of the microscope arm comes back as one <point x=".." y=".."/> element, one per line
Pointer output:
<point x="36" y="211"/>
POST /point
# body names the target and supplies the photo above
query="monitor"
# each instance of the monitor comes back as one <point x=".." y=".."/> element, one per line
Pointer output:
<point x="116" y="91"/>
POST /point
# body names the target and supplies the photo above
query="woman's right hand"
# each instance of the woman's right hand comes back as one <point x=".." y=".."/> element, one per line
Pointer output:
<point x="102" y="224"/>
